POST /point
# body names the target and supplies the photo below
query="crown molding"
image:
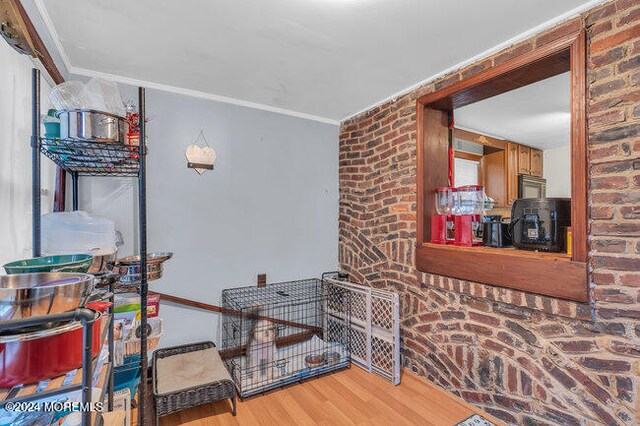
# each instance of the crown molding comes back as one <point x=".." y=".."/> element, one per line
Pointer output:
<point x="234" y="101"/>
<point x="197" y="94"/>
<point x="46" y="18"/>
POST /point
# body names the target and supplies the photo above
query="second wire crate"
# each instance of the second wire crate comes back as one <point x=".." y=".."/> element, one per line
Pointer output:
<point x="284" y="332"/>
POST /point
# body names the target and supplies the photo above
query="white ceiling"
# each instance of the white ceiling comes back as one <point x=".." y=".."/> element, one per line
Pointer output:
<point x="324" y="58"/>
<point x="537" y="115"/>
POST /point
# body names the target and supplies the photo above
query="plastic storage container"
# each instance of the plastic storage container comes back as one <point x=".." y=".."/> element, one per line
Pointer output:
<point x="127" y="376"/>
<point x="444" y="200"/>
<point x="470" y="199"/>
<point x="77" y="232"/>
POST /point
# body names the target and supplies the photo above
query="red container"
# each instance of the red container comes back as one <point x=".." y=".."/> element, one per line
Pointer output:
<point x="39" y="355"/>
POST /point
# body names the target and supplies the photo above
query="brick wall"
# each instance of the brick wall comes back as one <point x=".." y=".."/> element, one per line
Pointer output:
<point x="524" y="358"/>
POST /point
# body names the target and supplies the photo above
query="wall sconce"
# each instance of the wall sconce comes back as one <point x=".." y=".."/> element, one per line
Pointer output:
<point x="200" y="158"/>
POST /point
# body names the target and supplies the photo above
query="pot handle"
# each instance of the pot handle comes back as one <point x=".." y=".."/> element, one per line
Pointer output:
<point x="99" y="306"/>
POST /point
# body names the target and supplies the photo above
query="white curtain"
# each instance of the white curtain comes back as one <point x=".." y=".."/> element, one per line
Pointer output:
<point x="15" y="156"/>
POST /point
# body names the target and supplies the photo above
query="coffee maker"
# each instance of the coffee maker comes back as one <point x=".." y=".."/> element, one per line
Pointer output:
<point x="468" y="207"/>
<point x="442" y="223"/>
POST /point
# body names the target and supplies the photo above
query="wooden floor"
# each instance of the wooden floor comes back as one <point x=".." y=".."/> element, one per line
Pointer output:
<point x="347" y="397"/>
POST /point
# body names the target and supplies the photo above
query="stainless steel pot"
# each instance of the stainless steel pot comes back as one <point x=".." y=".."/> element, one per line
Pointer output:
<point x="27" y="295"/>
<point x="92" y="126"/>
<point x="131" y="271"/>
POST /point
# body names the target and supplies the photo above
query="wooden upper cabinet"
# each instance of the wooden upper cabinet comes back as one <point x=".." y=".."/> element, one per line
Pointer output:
<point x="536" y="162"/>
<point x="494" y="177"/>
<point x="524" y="160"/>
<point x="512" y="172"/>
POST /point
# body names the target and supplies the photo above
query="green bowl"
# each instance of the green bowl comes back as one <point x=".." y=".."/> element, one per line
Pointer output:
<point x="61" y="263"/>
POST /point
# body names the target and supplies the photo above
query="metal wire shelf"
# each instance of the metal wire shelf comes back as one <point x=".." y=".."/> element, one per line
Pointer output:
<point x="92" y="158"/>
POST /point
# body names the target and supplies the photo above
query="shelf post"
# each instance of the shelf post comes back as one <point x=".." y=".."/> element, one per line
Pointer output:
<point x="35" y="163"/>
<point x="87" y="371"/>
<point x="74" y="179"/>
<point x="142" y="223"/>
<point x="111" y="346"/>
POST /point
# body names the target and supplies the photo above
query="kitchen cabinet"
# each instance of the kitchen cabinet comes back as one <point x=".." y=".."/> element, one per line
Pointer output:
<point x="524" y="159"/>
<point x="512" y="172"/>
<point x="500" y="163"/>
<point x="493" y="173"/>
<point x="535" y="168"/>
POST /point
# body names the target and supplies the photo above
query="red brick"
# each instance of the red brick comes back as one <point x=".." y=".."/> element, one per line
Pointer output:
<point x="609" y="57"/>
<point x="611" y="117"/>
<point x="607" y="294"/>
<point x="512" y="53"/>
<point x="476" y="68"/>
<point x="605" y="364"/>
<point x="616" y="228"/>
<point x="603" y="278"/>
<point x="497" y="347"/>
<point x="608" y="245"/>
<point x="599" y="28"/>
<point x="612" y="167"/>
<point x="615" y="39"/>
<point x="479" y="329"/>
<point x="610" y="182"/>
<point x="630" y="17"/>
<point x="591" y="386"/>
<point x="616" y="133"/>
<point x="624" y="348"/>
<point x="630" y="212"/>
<point x="597" y="14"/>
<point x="484" y="319"/>
<point x="603" y="212"/>
<point x="630" y="280"/>
<point x="560" y="31"/>
<point x="607" y="88"/>
<point x="629" y="65"/>
<point x="575" y="346"/>
<point x="447" y="81"/>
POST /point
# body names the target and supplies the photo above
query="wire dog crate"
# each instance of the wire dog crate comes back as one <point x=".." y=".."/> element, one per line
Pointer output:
<point x="282" y="333"/>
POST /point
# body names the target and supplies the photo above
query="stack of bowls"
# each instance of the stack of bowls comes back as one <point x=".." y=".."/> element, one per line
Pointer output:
<point x="42" y="287"/>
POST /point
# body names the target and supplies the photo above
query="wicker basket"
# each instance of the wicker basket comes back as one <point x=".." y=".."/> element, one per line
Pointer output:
<point x="193" y="396"/>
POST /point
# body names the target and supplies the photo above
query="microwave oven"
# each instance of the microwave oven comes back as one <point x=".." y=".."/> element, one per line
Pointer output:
<point x="531" y="187"/>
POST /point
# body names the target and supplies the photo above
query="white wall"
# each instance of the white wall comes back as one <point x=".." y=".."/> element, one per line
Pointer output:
<point x="557" y="171"/>
<point x="270" y="206"/>
<point x="15" y="156"/>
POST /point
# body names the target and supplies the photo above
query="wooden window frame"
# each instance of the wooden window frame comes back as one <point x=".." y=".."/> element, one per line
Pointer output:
<point x="557" y="275"/>
<point x="468" y="156"/>
<point x="471" y="157"/>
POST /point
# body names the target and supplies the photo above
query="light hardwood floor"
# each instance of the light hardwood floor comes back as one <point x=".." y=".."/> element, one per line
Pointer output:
<point x="347" y="397"/>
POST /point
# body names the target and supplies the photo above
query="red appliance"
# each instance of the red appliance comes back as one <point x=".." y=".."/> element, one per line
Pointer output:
<point x="45" y="353"/>
<point x="468" y="205"/>
<point x="442" y="223"/>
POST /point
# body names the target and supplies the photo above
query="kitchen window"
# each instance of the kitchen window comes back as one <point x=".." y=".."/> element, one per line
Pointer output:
<point x="559" y="274"/>
<point x="466" y="172"/>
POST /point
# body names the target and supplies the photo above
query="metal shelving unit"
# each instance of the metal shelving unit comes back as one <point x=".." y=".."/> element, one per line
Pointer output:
<point x="96" y="159"/>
